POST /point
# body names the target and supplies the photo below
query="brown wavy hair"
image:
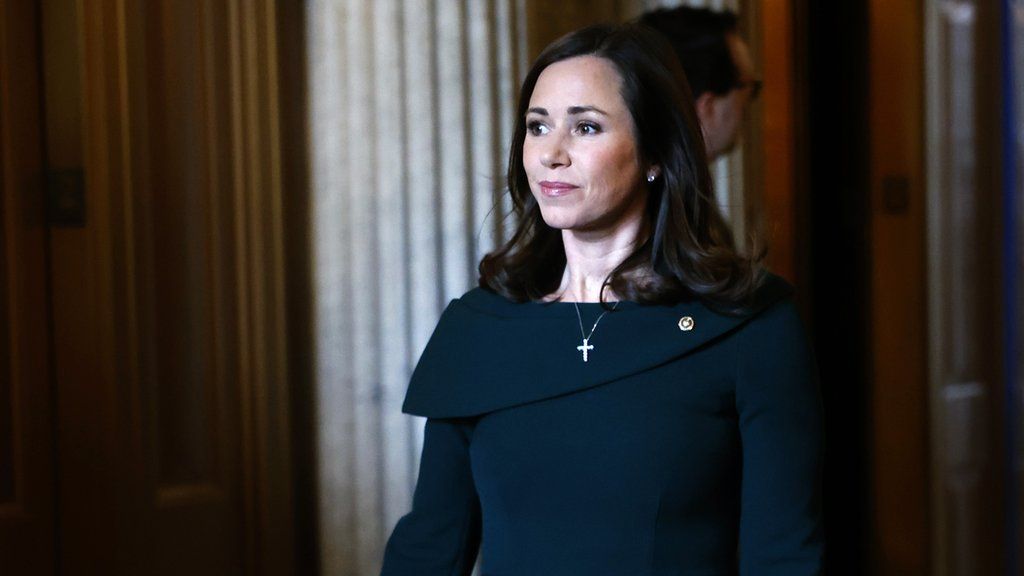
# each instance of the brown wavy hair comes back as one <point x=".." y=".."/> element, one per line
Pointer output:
<point x="689" y="251"/>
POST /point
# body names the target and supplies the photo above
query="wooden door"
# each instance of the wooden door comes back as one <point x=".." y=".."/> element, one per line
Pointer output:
<point x="898" y="438"/>
<point x="148" y="397"/>
<point x="26" y="417"/>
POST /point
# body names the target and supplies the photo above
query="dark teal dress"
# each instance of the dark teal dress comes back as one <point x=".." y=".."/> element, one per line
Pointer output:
<point x="670" y="452"/>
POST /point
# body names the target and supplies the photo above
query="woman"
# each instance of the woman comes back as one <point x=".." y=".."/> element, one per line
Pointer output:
<point x="624" y="394"/>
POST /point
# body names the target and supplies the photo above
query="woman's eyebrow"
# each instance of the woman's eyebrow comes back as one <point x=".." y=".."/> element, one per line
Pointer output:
<point x="572" y="110"/>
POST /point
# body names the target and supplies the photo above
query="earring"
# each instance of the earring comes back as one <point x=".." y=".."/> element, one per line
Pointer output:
<point x="650" y="177"/>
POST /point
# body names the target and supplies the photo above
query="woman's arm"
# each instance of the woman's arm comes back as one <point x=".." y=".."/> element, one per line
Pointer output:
<point x="781" y="426"/>
<point x="441" y="535"/>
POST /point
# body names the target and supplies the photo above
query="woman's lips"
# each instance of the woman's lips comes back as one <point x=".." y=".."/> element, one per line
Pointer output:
<point x="550" y="188"/>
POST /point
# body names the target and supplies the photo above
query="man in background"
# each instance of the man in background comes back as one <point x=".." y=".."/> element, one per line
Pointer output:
<point x="718" y="66"/>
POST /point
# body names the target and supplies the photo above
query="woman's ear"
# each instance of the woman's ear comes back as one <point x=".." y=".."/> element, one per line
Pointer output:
<point x="653" y="171"/>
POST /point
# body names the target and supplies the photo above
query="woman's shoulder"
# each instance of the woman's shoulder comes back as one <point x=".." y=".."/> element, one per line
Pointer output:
<point x="770" y="291"/>
<point x="774" y="287"/>
<point x="480" y="294"/>
<point x="777" y="322"/>
<point x="486" y="301"/>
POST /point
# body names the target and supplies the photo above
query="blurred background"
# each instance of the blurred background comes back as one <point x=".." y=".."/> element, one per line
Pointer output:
<point x="228" y="228"/>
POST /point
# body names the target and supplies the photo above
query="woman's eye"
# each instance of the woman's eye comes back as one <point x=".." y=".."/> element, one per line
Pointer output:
<point x="536" y="128"/>
<point x="587" y="128"/>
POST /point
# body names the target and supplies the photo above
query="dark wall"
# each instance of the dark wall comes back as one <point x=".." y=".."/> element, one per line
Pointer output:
<point x="836" y="210"/>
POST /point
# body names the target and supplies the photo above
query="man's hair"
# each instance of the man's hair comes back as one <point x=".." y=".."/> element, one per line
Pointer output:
<point x="698" y="36"/>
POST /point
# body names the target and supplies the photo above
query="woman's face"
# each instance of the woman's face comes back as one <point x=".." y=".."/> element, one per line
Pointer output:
<point x="580" y="154"/>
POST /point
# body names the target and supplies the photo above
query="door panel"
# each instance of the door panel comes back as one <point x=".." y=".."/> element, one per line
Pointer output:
<point x="185" y="268"/>
<point x="168" y="327"/>
<point x="898" y="336"/>
<point x="26" y="470"/>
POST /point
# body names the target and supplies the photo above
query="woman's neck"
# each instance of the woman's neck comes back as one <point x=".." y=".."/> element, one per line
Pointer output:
<point x="591" y="256"/>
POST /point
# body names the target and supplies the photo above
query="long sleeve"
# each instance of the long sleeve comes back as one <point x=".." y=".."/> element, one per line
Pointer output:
<point x="441" y="535"/>
<point x="781" y="426"/>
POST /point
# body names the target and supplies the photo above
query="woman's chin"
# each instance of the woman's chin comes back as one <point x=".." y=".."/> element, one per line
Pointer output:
<point x="558" y="221"/>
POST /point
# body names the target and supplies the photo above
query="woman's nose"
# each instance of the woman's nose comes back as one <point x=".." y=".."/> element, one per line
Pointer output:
<point x="555" y="153"/>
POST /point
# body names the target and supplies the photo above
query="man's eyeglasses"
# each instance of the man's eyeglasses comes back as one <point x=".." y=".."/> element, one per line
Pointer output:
<point x="755" y="87"/>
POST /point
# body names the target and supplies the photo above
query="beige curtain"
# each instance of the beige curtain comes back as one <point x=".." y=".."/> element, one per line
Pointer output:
<point x="410" y="105"/>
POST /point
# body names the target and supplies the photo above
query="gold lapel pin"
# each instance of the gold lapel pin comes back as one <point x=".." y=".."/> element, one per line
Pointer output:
<point x="686" y="323"/>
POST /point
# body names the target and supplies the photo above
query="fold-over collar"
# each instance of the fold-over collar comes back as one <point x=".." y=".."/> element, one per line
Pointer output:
<point x="488" y="352"/>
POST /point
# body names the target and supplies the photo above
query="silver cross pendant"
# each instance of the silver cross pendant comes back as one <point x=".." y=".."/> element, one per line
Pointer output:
<point x="586" y="347"/>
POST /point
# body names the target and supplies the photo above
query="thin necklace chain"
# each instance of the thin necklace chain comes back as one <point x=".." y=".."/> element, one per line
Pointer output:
<point x="587" y="346"/>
